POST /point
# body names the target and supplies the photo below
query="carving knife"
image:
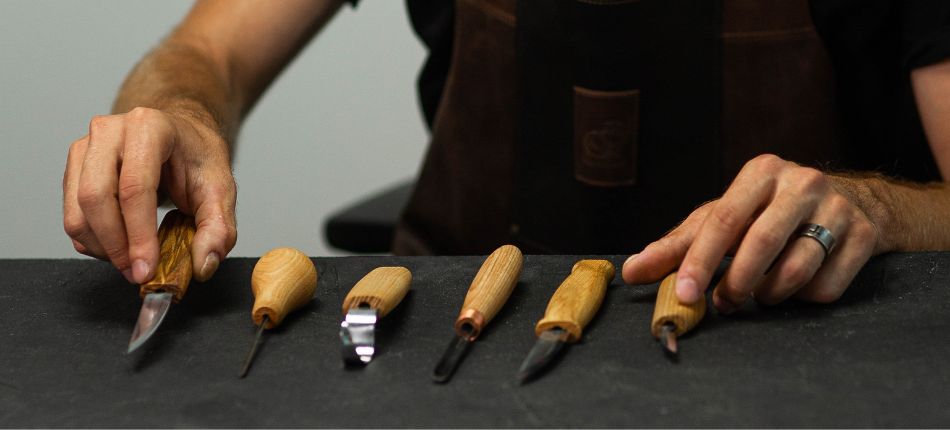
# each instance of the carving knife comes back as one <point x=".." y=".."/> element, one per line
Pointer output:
<point x="488" y="293"/>
<point x="283" y="281"/>
<point x="571" y="307"/>
<point x="171" y="276"/>
<point x="671" y="318"/>
<point x="371" y="299"/>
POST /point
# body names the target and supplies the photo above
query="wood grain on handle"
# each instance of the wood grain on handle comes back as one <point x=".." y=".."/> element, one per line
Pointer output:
<point x="382" y="289"/>
<point x="283" y="280"/>
<point x="578" y="298"/>
<point x="489" y="290"/>
<point x="173" y="271"/>
<point x="669" y="309"/>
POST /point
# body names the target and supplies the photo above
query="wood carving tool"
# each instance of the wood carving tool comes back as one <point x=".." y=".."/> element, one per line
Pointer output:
<point x="369" y="300"/>
<point x="488" y="293"/>
<point x="571" y="307"/>
<point x="283" y="281"/>
<point x="672" y="319"/>
<point x="171" y="276"/>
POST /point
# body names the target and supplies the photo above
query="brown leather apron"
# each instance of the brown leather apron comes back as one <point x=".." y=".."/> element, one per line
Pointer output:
<point x="594" y="126"/>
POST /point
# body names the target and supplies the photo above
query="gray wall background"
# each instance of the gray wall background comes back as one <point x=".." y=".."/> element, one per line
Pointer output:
<point x="341" y="122"/>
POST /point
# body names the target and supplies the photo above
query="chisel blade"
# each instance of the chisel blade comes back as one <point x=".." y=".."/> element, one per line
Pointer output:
<point x="548" y="345"/>
<point x="357" y="334"/>
<point x="451" y="359"/>
<point x="154" y="308"/>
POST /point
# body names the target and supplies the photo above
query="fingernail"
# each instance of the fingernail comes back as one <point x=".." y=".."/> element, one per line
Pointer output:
<point x="629" y="259"/>
<point x="128" y="276"/>
<point x="140" y="271"/>
<point x="722" y="305"/>
<point x="686" y="290"/>
<point x="211" y="264"/>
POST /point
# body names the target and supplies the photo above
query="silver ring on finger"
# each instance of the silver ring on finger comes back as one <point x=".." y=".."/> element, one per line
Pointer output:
<point x="820" y="234"/>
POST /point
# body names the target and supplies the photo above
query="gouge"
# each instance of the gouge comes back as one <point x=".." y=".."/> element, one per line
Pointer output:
<point x="671" y="318"/>
<point x="171" y="276"/>
<point x="488" y="293"/>
<point x="371" y="299"/>
<point x="283" y="280"/>
<point x="571" y="307"/>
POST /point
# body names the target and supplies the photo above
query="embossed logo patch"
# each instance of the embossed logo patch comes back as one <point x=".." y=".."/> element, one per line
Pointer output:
<point x="606" y="126"/>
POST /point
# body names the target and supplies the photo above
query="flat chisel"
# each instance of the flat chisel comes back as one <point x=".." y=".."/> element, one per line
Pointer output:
<point x="372" y="298"/>
<point x="671" y="318"/>
<point x="171" y="276"/>
<point x="488" y="293"/>
<point x="571" y="307"/>
<point x="283" y="280"/>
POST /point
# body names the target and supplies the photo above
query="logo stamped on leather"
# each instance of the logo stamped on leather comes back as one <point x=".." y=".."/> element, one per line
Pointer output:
<point x="606" y="127"/>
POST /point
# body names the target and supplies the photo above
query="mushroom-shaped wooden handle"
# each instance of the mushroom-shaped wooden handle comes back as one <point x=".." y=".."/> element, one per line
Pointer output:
<point x="578" y="298"/>
<point x="283" y="280"/>
<point x="173" y="272"/>
<point x="382" y="289"/>
<point x="670" y="310"/>
<point x="489" y="290"/>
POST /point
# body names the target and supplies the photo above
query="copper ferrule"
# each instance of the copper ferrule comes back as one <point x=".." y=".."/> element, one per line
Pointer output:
<point x="469" y="324"/>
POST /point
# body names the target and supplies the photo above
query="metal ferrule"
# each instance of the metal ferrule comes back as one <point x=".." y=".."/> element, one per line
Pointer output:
<point x="357" y="333"/>
<point x="469" y="324"/>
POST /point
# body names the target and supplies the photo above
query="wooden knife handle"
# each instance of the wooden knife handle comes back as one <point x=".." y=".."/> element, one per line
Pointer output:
<point x="173" y="272"/>
<point x="283" y="280"/>
<point x="578" y="298"/>
<point x="382" y="289"/>
<point x="489" y="291"/>
<point x="669" y="309"/>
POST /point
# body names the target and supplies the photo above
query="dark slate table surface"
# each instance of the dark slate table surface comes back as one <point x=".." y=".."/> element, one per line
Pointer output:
<point x="880" y="357"/>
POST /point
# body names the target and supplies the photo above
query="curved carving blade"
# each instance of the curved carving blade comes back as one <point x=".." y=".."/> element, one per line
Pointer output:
<point x="154" y="308"/>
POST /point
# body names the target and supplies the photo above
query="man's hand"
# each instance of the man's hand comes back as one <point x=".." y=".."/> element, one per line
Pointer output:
<point x="758" y="218"/>
<point x="115" y="174"/>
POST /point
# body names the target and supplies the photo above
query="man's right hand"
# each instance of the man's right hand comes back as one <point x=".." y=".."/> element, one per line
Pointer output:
<point x="115" y="175"/>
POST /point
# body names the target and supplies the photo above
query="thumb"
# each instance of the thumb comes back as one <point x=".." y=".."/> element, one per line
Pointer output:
<point x="216" y="232"/>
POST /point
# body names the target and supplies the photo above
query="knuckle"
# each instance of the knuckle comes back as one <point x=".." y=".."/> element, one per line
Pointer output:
<point x="132" y="191"/>
<point x="91" y="197"/>
<point x="142" y="115"/>
<point x="99" y="124"/>
<point x="766" y="162"/>
<point x="795" y="274"/>
<point x="811" y="180"/>
<point x="823" y="295"/>
<point x="727" y="217"/>
<point x="768" y="238"/>
<point x="864" y="232"/>
<point x="75" y="227"/>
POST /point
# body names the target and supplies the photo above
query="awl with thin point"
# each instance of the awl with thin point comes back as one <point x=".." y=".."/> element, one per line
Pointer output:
<point x="371" y="299"/>
<point x="172" y="276"/>
<point x="672" y="319"/>
<point x="571" y="307"/>
<point x="488" y="293"/>
<point x="283" y="280"/>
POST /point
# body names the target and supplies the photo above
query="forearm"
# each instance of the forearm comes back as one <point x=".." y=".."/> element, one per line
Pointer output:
<point x="179" y="78"/>
<point x="909" y="216"/>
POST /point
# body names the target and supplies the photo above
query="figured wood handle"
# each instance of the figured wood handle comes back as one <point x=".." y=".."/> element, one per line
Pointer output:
<point x="173" y="272"/>
<point x="489" y="290"/>
<point x="669" y="309"/>
<point x="382" y="289"/>
<point x="578" y="298"/>
<point x="283" y="280"/>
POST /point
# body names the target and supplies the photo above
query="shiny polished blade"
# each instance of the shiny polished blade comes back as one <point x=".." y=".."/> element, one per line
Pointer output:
<point x="154" y="308"/>
<point x="544" y="350"/>
<point x="451" y="359"/>
<point x="357" y="336"/>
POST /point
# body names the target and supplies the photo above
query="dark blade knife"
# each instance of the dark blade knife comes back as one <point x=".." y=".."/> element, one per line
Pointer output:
<point x="570" y="309"/>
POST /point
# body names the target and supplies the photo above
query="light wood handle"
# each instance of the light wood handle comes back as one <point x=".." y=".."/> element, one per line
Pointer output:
<point x="489" y="290"/>
<point x="669" y="309"/>
<point x="578" y="298"/>
<point x="283" y="280"/>
<point x="382" y="289"/>
<point x="173" y="272"/>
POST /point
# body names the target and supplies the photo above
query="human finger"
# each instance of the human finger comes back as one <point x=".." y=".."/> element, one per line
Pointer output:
<point x="74" y="221"/>
<point x="842" y="265"/>
<point x="97" y="194"/>
<point x="147" y="145"/>
<point x="660" y="258"/>
<point x="726" y="222"/>
<point x="216" y="225"/>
